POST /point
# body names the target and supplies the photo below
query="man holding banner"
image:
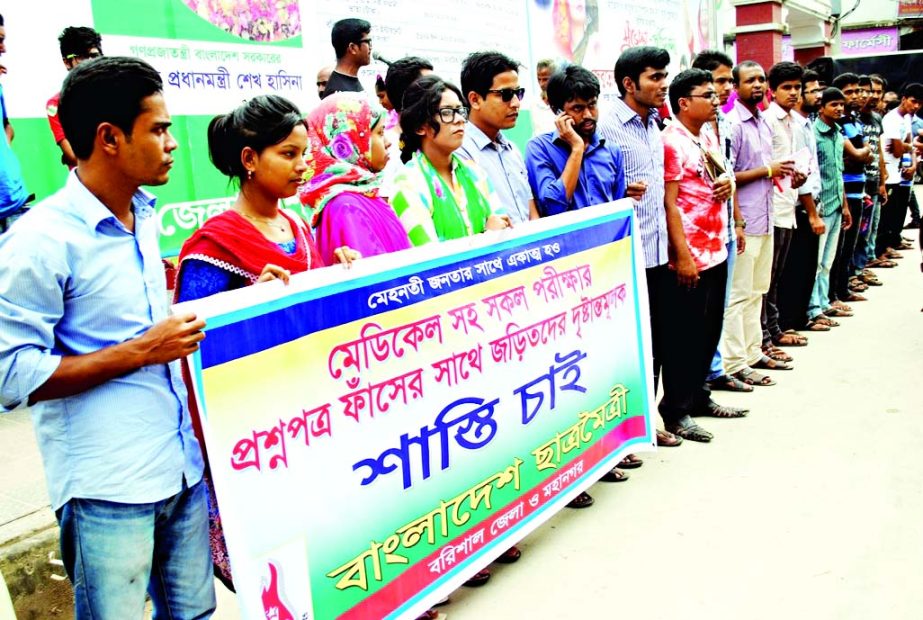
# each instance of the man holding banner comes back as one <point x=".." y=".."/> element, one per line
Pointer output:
<point x="85" y="336"/>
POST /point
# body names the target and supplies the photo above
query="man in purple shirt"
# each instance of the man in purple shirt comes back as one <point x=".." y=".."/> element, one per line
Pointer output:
<point x="756" y="173"/>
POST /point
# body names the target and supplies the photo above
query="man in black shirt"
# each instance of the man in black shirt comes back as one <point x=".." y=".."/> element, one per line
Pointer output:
<point x="353" y="47"/>
<point x="874" y="176"/>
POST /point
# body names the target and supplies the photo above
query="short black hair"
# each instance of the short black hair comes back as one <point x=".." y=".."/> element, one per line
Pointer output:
<point x="569" y="83"/>
<point x="421" y="103"/>
<point x="258" y="123"/>
<point x="401" y="74"/>
<point x="684" y="83"/>
<point x="831" y="94"/>
<point x="877" y="79"/>
<point x="747" y="64"/>
<point x="633" y="61"/>
<point x="809" y="75"/>
<point x="711" y="60"/>
<point x="78" y="41"/>
<point x="785" y="71"/>
<point x="1" y="19"/>
<point x="480" y="68"/>
<point x="914" y="89"/>
<point x="865" y="80"/>
<point x="845" y="79"/>
<point x="105" y="90"/>
<point x="347" y="31"/>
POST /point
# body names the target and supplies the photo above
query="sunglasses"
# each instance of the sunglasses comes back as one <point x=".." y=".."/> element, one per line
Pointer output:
<point x="506" y="94"/>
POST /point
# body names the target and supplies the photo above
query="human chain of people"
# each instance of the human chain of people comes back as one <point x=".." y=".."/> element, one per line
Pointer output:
<point x="763" y="201"/>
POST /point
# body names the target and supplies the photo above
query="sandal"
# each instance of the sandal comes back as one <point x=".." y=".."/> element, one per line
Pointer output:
<point x="510" y="556"/>
<point x="789" y="339"/>
<point x="767" y="363"/>
<point x="729" y="384"/>
<point x="429" y="614"/>
<point x="870" y="280"/>
<point x="817" y="327"/>
<point x="839" y="304"/>
<point x="668" y="440"/>
<point x="823" y="320"/>
<point x="855" y="297"/>
<point x="777" y="354"/>
<point x="714" y="410"/>
<point x="614" y="475"/>
<point x="479" y="579"/>
<point x="584" y="500"/>
<point x="751" y="377"/>
<point x="834" y="311"/>
<point x="879" y="263"/>
<point x="630" y="462"/>
<point x="688" y="429"/>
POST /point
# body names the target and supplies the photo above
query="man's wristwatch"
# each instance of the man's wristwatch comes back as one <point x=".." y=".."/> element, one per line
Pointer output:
<point x="742" y="224"/>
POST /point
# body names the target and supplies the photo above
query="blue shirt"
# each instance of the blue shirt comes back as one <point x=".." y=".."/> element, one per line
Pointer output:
<point x="601" y="179"/>
<point x="643" y="150"/>
<point x="504" y="166"/>
<point x="853" y="171"/>
<point x="13" y="192"/>
<point x="74" y="281"/>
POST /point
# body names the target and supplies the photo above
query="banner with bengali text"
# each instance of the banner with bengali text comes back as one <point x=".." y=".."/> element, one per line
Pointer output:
<point x="377" y="435"/>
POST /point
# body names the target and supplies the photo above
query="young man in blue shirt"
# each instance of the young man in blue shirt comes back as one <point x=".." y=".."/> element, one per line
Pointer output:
<point x="572" y="167"/>
<point x="86" y="338"/>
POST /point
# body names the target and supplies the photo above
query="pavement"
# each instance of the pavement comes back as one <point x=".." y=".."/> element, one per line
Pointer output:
<point x="808" y="508"/>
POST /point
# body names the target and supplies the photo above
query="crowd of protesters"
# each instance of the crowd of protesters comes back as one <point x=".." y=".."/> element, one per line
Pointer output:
<point x="764" y="197"/>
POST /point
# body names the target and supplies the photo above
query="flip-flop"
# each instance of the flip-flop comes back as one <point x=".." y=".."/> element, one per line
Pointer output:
<point x="855" y="297"/>
<point x="729" y="384"/>
<point x="668" y="440"/>
<point x="777" y="354"/>
<point x="767" y="363"/>
<point x="751" y="377"/>
<point x="509" y="556"/>
<point x="790" y="338"/>
<point x="834" y="311"/>
<point x="614" y="475"/>
<point x="814" y="326"/>
<point x="630" y="462"/>
<point x="584" y="500"/>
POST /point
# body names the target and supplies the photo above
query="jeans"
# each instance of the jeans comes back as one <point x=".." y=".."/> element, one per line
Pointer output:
<point x="691" y="333"/>
<point x="865" y="248"/>
<point x="893" y="214"/>
<point x="826" y="252"/>
<point x="717" y="362"/>
<point x="113" y="552"/>
<point x="782" y="241"/>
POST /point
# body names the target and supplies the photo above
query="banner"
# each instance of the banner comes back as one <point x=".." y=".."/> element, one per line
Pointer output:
<point x="378" y="435"/>
<point x="869" y="41"/>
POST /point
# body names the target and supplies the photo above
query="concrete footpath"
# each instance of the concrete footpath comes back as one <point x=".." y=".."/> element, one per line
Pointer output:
<point x="808" y="508"/>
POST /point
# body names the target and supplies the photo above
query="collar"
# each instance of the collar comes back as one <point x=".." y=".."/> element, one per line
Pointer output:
<point x="93" y="212"/>
<point x="595" y="142"/>
<point x="481" y="140"/>
<point x="823" y="127"/>
<point x="743" y="112"/>
<point x="778" y="112"/>
<point x="625" y="114"/>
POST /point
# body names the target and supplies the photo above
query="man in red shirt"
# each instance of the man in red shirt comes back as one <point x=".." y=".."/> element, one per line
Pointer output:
<point x="697" y="184"/>
<point x="78" y="44"/>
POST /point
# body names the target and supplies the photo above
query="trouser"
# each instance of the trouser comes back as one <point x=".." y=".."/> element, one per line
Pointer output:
<point x="743" y="333"/>
<point x="826" y="252"/>
<point x="798" y="274"/>
<point x="656" y="277"/>
<point x="865" y="245"/>
<point x="114" y="552"/>
<point x="914" y="207"/>
<point x="781" y="242"/>
<point x="717" y="362"/>
<point x="691" y="333"/>
<point x="842" y="264"/>
<point x="893" y="213"/>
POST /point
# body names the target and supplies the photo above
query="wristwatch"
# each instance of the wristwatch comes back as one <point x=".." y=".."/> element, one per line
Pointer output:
<point x="740" y="224"/>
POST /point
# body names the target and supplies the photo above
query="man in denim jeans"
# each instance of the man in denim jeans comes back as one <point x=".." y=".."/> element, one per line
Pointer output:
<point x="86" y="338"/>
<point x="834" y="209"/>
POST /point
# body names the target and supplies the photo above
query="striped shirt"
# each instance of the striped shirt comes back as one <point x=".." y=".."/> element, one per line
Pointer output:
<point x="642" y="151"/>
<point x="830" y="162"/>
<point x="751" y="147"/>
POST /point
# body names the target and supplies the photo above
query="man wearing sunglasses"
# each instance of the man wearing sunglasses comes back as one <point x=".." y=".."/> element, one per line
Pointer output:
<point x="78" y="44"/>
<point x="352" y="44"/>
<point x="490" y="84"/>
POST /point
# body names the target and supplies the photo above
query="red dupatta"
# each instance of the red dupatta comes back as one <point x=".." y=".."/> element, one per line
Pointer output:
<point x="232" y="243"/>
